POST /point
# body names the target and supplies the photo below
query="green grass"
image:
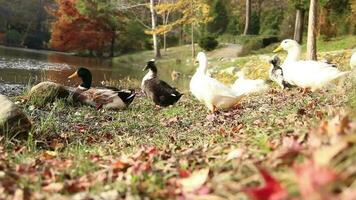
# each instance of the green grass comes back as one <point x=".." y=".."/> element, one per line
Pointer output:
<point x="84" y="143"/>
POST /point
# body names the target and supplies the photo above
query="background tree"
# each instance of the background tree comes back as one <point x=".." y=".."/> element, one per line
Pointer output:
<point x="191" y="12"/>
<point x="156" y="47"/>
<point x="26" y="19"/>
<point x="312" y="25"/>
<point x="301" y="6"/>
<point x="220" y="19"/>
<point x="247" y="17"/>
<point x="73" y="31"/>
<point x="104" y="11"/>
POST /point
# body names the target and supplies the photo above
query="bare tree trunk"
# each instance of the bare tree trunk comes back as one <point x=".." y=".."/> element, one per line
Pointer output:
<point x="181" y="32"/>
<point x="112" y="45"/>
<point x="192" y="38"/>
<point x="165" y="42"/>
<point x="299" y="26"/>
<point x="156" y="49"/>
<point x="311" y="43"/>
<point x="248" y="17"/>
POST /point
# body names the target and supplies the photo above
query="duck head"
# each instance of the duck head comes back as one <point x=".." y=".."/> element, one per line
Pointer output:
<point x="151" y="66"/>
<point x="85" y="75"/>
<point x="202" y="60"/>
<point x="275" y="60"/>
<point x="292" y="47"/>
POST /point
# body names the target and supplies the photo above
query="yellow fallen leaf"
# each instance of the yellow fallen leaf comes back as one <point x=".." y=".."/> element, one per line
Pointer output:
<point x="195" y="180"/>
<point x="49" y="154"/>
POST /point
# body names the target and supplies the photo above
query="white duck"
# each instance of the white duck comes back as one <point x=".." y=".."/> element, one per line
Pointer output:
<point x="353" y="60"/>
<point x="305" y="73"/>
<point x="213" y="93"/>
<point x="243" y="86"/>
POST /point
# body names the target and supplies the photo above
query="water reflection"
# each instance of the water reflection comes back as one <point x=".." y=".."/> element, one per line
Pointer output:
<point x="23" y="66"/>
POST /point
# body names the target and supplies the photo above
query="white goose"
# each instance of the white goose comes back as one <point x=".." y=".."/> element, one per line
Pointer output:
<point x="305" y="73"/>
<point x="214" y="94"/>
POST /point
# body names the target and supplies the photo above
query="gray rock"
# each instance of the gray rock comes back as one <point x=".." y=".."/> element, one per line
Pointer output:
<point x="13" y="122"/>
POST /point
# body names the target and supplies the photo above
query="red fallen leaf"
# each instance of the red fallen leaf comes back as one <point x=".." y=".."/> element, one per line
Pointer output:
<point x="183" y="173"/>
<point x="272" y="189"/>
<point x="313" y="179"/>
<point x="151" y="151"/>
<point x="120" y="165"/>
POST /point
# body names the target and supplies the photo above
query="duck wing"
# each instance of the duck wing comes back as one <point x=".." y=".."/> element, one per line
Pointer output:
<point x="161" y="92"/>
<point x="310" y="73"/>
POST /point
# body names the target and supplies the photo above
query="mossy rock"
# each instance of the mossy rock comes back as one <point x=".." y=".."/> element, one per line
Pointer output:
<point x="13" y="121"/>
<point x="47" y="92"/>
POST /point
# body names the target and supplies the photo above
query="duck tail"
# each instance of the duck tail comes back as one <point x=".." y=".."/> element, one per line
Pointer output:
<point x="127" y="96"/>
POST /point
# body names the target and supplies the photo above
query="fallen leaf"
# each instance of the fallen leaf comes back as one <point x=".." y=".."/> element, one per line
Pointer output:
<point x="53" y="187"/>
<point x="195" y="181"/>
<point x="325" y="154"/>
<point x="119" y="165"/>
<point x="272" y="189"/>
<point x="313" y="179"/>
<point x="49" y="155"/>
<point x="183" y="173"/>
<point x="235" y="153"/>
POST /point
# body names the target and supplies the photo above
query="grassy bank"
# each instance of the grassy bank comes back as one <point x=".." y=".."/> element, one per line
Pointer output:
<point x="183" y="151"/>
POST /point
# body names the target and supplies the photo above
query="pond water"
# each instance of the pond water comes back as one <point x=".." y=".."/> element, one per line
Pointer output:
<point x="24" y="66"/>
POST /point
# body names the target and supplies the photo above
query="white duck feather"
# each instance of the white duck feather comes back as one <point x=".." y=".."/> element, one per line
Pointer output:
<point x="213" y="93"/>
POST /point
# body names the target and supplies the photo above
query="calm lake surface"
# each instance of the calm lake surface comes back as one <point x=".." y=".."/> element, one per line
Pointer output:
<point x="24" y="66"/>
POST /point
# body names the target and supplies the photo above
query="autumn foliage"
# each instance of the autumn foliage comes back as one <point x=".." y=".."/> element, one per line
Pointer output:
<point x="75" y="32"/>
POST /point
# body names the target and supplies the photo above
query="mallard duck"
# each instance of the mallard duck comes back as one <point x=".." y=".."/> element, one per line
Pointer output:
<point x="353" y="60"/>
<point x="109" y="97"/>
<point x="243" y="86"/>
<point x="276" y="72"/>
<point x="305" y="73"/>
<point x="214" y="94"/>
<point x="157" y="90"/>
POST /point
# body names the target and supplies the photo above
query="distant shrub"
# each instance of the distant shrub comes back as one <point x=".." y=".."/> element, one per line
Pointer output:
<point x="37" y="41"/>
<point x="12" y="37"/>
<point x="132" y="38"/>
<point x="255" y="24"/>
<point x="234" y="27"/>
<point x="220" y="19"/>
<point x="208" y="43"/>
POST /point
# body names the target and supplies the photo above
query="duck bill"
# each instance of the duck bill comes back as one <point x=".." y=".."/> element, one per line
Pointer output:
<point x="280" y="48"/>
<point x="74" y="75"/>
<point x="146" y="68"/>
